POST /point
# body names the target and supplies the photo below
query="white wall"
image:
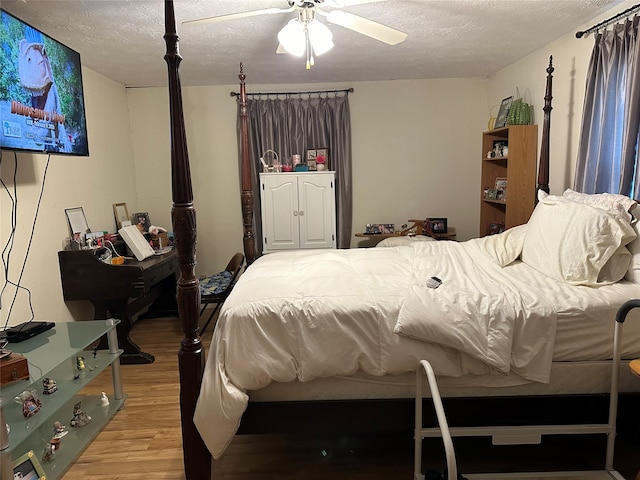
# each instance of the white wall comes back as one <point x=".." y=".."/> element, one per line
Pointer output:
<point x="95" y="183"/>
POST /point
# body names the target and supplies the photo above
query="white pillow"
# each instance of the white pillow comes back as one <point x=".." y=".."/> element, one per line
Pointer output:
<point x="633" y="273"/>
<point x="572" y="242"/>
<point x="403" y="240"/>
<point x="503" y="248"/>
<point x="611" y="201"/>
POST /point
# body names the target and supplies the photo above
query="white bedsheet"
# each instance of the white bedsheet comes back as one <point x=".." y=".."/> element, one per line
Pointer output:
<point x="309" y="314"/>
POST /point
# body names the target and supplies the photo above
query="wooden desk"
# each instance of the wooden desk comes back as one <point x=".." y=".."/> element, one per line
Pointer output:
<point x="121" y="291"/>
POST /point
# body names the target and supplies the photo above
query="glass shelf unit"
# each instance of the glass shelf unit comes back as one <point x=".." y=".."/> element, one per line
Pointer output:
<point x="53" y="354"/>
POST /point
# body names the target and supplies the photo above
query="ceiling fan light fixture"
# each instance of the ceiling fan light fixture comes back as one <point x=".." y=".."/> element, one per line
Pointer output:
<point x="310" y="37"/>
<point x="320" y="37"/>
<point x="292" y="38"/>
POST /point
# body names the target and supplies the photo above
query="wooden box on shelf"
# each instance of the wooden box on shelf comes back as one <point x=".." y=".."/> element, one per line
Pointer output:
<point x="12" y="368"/>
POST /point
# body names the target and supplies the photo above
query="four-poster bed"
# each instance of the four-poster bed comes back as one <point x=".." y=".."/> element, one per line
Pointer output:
<point x="316" y="394"/>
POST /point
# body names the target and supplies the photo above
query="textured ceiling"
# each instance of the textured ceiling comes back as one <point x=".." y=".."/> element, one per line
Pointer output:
<point x="122" y="39"/>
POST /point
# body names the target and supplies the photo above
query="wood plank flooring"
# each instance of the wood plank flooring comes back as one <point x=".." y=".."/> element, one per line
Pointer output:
<point x="144" y="439"/>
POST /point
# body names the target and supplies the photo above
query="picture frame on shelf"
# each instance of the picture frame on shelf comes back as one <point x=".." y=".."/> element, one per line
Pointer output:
<point x="142" y="221"/>
<point x="121" y="214"/>
<point x="501" y="188"/>
<point x="503" y="113"/>
<point x="495" y="227"/>
<point x="28" y="467"/>
<point x="437" y="225"/>
<point x="380" y="228"/>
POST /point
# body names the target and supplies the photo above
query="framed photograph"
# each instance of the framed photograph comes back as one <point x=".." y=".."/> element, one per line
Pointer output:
<point x="495" y="227"/>
<point x="141" y="220"/>
<point x="501" y="119"/>
<point x="27" y="467"/>
<point x="311" y="154"/>
<point x="77" y="220"/>
<point x="311" y="159"/>
<point x="323" y="152"/>
<point x="437" y="225"/>
<point x="501" y="188"/>
<point x="380" y="228"/>
<point x="122" y="215"/>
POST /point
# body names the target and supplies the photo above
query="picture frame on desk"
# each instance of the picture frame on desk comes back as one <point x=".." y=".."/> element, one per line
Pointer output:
<point x="379" y="228"/>
<point x="436" y="225"/>
<point x="28" y="467"/>
<point x="121" y="213"/>
<point x="142" y="221"/>
<point x="77" y="221"/>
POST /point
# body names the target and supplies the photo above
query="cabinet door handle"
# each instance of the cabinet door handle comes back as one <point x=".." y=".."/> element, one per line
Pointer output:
<point x="301" y="213"/>
<point x="295" y="214"/>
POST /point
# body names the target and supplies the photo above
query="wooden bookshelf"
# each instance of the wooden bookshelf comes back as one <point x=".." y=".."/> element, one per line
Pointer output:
<point x="518" y="166"/>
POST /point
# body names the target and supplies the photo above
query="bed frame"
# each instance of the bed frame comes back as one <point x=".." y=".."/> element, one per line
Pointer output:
<point x="191" y="357"/>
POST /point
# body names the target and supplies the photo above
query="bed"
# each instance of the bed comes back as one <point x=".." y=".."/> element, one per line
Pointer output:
<point x="363" y="328"/>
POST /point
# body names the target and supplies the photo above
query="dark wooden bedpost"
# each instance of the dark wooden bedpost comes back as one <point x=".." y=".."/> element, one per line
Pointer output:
<point x="248" y="238"/>
<point x="197" y="459"/>
<point x="543" y="168"/>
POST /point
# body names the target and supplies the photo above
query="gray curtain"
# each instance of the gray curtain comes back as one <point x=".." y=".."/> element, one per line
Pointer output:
<point x="608" y="149"/>
<point x="290" y="124"/>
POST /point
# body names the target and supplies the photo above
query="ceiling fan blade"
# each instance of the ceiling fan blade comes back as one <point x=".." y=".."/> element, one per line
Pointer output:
<point x="231" y="16"/>
<point x="364" y="26"/>
<point x="348" y="3"/>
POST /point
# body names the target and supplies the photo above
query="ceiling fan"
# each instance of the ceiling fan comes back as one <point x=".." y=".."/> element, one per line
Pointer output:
<point x="305" y="34"/>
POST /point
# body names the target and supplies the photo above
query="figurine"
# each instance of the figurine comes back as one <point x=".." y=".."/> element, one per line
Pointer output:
<point x="49" y="453"/>
<point x="50" y="386"/>
<point x="80" y="417"/>
<point x="30" y="403"/>
<point x="59" y="430"/>
<point x="104" y="400"/>
<point x="80" y="362"/>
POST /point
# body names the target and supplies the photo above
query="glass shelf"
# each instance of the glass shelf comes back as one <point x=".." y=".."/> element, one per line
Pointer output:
<point x="53" y="354"/>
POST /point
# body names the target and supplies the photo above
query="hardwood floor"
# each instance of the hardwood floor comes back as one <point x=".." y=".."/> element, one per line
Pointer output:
<point x="144" y="439"/>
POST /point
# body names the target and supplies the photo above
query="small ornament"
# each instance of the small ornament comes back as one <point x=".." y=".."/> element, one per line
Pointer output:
<point x="59" y="430"/>
<point x="49" y="453"/>
<point x="80" y="417"/>
<point x="80" y="362"/>
<point x="49" y="386"/>
<point x="95" y="351"/>
<point x="55" y="443"/>
<point x="104" y="400"/>
<point x="30" y="403"/>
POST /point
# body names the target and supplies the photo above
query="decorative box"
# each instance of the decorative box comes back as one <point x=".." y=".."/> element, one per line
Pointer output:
<point x="12" y="368"/>
<point x="160" y="240"/>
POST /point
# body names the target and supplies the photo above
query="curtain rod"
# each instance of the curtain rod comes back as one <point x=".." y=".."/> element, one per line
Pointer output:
<point x="609" y="21"/>
<point x="346" y="90"/>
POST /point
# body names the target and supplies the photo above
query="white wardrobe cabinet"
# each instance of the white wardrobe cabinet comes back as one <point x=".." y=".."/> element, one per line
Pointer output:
<point x="298" y="210"/>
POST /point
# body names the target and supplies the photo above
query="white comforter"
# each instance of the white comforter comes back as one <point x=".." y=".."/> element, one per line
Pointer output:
<point x="308" y="314"/>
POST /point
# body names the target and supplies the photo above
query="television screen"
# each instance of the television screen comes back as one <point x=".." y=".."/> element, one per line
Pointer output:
<point x="41" y="96"/>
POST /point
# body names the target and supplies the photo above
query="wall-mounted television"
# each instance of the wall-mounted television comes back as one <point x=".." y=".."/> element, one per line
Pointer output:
<point x="41" y="94"/>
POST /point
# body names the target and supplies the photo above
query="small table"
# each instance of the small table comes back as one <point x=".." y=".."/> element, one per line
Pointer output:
<point x="418" y="228"/>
